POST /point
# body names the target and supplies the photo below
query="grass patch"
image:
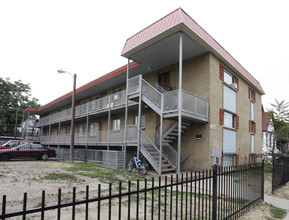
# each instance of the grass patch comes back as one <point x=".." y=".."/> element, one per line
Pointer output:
<point x="105" y="175"/>
<point x="277" y="212"/>
<point x="268" y="168"/>
<point x="59" y="176"/>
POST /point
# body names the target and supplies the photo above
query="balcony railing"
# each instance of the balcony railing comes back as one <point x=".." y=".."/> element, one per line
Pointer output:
<point x="100" y="137"/>
<point x="192" y="105"/>
<point x="113" y="101"/>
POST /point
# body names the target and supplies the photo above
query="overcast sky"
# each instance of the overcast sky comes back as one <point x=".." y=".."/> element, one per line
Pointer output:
<point x="86" y="37"/>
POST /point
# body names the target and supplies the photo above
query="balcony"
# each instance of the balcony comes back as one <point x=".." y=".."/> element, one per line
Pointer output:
<point x="166" y="102"/>
<point x="112" y="137"/>
<point x="111" y="102"/>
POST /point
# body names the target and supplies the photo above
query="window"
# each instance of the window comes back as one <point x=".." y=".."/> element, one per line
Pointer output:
<point x="252" y="95"/>
<point x="142" y="121"/>
<point x="252" y="144"/>
<point x="93" y="103"/>
<point x="36" y="146"/>
<point x="252" y="109"/>
<point x="229" y="141"/>
<point x="117" y="94"/>
<point x="67" y="130"/>
<point x="228" y="78"/>
<point x="252" y="126"/>
<point x="229" y="120"/>
<point x="93" y="129"/>
<point x="229" y="99"/>
<point x="116" y="124"/>
<point x="228" y="160"/>
<point x="81" y="130"/>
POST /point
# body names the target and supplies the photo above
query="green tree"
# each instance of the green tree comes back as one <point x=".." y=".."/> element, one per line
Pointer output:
<point x="280" y="113"/>
<point x="14" y="96"/>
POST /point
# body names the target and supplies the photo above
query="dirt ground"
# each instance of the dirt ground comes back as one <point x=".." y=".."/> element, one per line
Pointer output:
<point x="30" y="177"/>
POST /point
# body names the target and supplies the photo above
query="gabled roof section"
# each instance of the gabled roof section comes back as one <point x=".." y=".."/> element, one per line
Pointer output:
<point x="179" y="20"/>
<point x="266" y="118"/>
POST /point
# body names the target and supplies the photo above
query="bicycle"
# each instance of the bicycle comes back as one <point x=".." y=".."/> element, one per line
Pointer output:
<point x="139" y="164"/>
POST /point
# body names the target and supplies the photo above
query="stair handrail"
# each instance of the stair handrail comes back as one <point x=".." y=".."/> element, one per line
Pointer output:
<point x="147" y="155"/>
<point x="166" y="127"/>
<point x="168" y="150"/>
<point x="155" y="99"/>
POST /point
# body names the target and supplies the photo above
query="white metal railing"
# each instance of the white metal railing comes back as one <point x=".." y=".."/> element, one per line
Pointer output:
<point x="150" y="151"/>
<point x="112" y="101"/>
<point x="195" y="104"/>
<point x="169" y="152"/>
<point x="100" y="137"/>
<point x="151" y="93"/>
<point x="133" y="85"/>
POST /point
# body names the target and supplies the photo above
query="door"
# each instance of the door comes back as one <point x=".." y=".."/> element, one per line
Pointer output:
<point x="164" y="81"/>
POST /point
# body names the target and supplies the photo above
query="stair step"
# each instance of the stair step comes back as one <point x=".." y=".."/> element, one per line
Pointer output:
<point x="170" y="170"/>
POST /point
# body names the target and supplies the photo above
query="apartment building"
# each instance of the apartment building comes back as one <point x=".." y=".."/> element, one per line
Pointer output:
<point x="182" y="101"/>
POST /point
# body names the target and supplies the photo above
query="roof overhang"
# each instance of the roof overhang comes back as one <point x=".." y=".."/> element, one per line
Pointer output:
<point x="158" y="44"/>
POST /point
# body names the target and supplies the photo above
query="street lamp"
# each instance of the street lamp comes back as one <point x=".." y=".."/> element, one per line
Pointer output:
<point x="72" y="115"/>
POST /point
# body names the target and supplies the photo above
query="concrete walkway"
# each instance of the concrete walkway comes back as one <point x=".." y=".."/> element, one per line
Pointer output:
<point x="278" y="202"/>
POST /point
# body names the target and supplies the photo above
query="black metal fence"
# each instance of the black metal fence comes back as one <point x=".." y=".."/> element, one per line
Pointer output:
<point x="280" y="172"/>
<point x="212" y="194"/>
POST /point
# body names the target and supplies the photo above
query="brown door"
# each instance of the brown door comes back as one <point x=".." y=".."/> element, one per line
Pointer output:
<point x="164" y="81"/>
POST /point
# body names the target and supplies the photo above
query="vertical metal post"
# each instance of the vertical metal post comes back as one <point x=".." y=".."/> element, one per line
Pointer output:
<point x="42" y="135"/>
<point x="49" y="134"/>
<point x="126" y="111"/>
<point x="72" y="120"/>
<point x="180" y="102"/>
<point x="161" y="134"/>
<point x="59" y="133"/>
<point x="139" y="115"/>
<point x="108" y="123"/>
<point x="263" y="180"/>
<point x="86" y="137"/>
<point x="215" y="182"/>
<point x="22" y="129"/>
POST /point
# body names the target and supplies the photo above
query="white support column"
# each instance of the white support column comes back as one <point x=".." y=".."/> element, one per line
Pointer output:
<point x="108" y="123"/>
<point x="139" y="116"/>
<point x="86" y="137"/>
<point x="49" y="134"/>
<point x="180" y="102"/>
<point x="59" y="133"/>
<point x="126" y="112"/>
<point x="161" y="134"/>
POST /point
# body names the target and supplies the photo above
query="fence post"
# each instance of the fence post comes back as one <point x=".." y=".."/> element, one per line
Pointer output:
<point x="214" y="208"/>
<point x="262" y="180"/>
<point x="273" y="171"/>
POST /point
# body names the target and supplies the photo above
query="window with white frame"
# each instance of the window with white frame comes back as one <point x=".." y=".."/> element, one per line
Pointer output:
<point x="117" y="94"/>
<point x="252" y="123"/>
<point x="229" y="78"/>
<point x="229" y="141"/>
<point x="116" y="124"/>
<point x="229" y="99"/>
<point x="252" y="144"/>
<point x="81" y="130"/>
<point x="93" y="129"/>
<point x="229" y="120"/>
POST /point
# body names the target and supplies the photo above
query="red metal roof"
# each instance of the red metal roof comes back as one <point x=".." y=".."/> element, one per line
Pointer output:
<point x="180" y="16"/>
<point x="84" y="87"/>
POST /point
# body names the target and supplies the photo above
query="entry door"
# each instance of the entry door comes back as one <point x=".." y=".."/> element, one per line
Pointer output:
<point x="164" y="81"/>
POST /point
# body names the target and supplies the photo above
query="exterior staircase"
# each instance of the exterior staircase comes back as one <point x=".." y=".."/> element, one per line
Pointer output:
<point x="162" y="157"/>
